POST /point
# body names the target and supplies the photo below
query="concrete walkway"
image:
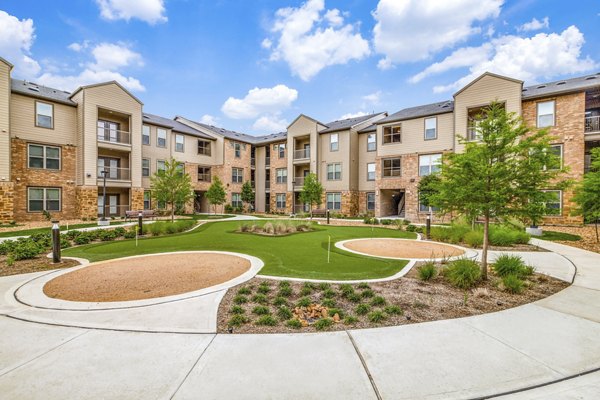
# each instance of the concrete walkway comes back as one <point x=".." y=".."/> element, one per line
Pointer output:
<point x="542" y="346"/>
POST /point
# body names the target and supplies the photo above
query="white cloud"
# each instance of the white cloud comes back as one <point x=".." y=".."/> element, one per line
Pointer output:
<point x="208" y="119"/>
<point x="111" y="56"/>
<point x="260" y="101"/>
<point x="16" y="39"/>
<point x="310" y="40"/>
<point x="266" y="43"/>
<point x="535" y="25"/>
<point x="530" y="59"/>
<point x="413" y="30"/>
<point x="270" y="124"/>
<point x="373" y="98"/>
<point x="354" y="115"/>
<point x="150" y="11"/>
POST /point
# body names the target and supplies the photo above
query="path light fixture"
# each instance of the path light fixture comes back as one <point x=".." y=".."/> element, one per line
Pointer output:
<point x="428" y="227"/>
<point x="103" y="172"/>
<point x="55" y="242"/>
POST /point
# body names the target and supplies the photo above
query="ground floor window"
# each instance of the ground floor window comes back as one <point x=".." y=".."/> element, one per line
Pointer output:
<point x="147" y="200"/>
<point x="371" y="201"/>
<point x="425" y="209"/>
<point x="204" y="174"/>
<point x="280" y="199"/>
<point x="554" y="205"/>
<point x="43" y="199"/>
<point x="236" y="200"/>
<point x="334" y="201"/>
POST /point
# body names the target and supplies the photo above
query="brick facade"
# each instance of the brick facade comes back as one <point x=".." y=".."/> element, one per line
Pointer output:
<point x="137" y="198"/>
<point x="7" y="197"/>
<point x="87" y="201"/>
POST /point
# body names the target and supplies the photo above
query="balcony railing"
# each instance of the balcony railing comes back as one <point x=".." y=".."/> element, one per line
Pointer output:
<point x="113" y="210"/>
<point x="113" y="136"/>
<point x="592" y="124"/>
<point x="253" y="161"/>
<point x="301" y="208"/>
<point x="114" y="173"/>
<point x="267" y="161"/>
<point x="203" y="177"/>
<point x="299" y="181"/>
<point x="267" y="185"/>
<point x="301" y="154"/>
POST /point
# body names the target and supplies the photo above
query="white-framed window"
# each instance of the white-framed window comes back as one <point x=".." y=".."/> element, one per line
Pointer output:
<point x="161" y="137"/>
<point x="236" y="200"/>
<point x="147" y="200"/>
<point x="180" y="168"/>
<point x="280" y="200"/>
<point x="179" y="143"/>
<point x="43" y="157"/>
<point x="43" y="199"/>
<point x="44" y="115"/>
<point x="391" y="167"/>
<point x="145" y="134"/>
<point x="280" y="149"/>
<point x="429" y="164"/>
<point x="371" y="142"/>
<point x="281" y="175"/>
<point x="237" y="147"/>
<point x="371" y="201"/>
<point x="334" y="142"/>
<point x="371" y="171"/>
<point x="557" y="150"/>
<point x="334" y="201"/>
<point x="545" y="114"/>
<point x="160" y="165"/>
<point x="145" y="167"/>
<point x="430" y="128"/>
<point x="334" y="172"/>
<point x="392" y="134"/>
<point x="237" y="175"/>
<point x="554" y="205"/>
<point x="204" y="147"/>
<point x="204" y="174"/>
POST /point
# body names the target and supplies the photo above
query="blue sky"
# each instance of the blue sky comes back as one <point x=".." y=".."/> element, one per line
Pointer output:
<point x="253" y="66"/>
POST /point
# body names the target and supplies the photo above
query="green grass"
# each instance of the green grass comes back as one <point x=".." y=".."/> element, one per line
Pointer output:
<point x="202" y="217"/>
<point x="29" y="232"/>
<point x="551" y="235"/>
<point x="303" y="255"/>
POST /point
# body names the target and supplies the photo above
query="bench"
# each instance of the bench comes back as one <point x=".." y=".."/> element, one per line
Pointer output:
<point x="135" y="214"/>
<point x="319" y="211"/>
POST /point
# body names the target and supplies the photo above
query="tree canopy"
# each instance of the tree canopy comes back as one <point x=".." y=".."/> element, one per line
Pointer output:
<point x="216" y="194"/>
<point x="312" y="191"/>
<point x="172" y="185"/>
<point x="247" y="193"/>
<point x="587" y="193"/>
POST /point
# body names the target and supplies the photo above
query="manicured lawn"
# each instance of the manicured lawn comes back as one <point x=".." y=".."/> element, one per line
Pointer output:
<point x="561" y="236"/>
<point x="299" y="255"/>
<point x="202" y="217"/>
<point x="27" y="232"/>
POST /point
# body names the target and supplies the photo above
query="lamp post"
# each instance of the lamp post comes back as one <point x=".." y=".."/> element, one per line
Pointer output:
<point x="140" y="225"/>
<point x="104" y="172"/>
<point x="55" y="242"/>
<point x="428" y="227"/>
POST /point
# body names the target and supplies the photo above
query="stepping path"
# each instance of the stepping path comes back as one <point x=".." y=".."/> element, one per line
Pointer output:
<point x="542" y="346"/>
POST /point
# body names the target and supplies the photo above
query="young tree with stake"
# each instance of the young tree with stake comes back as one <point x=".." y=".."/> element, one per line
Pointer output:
<point x="587" y="193"/>
<point x="312" y="191"/>
<point x="216" y="194"/>
<point x="172" y="185"/>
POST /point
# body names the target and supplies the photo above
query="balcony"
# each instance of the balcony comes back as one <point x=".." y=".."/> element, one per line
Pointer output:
<point x="267" y="185"/>
<point x="592" y="124"/>
<point x="204" y="177"/>
<point x="303" y="154"/>
<point x="253" y="162"/>
<point x="114" y="136"/>
<point x="298" y="182"/>
<point x="268" y="162"/>
<point x="114" y="173"/>
<point x="113" y="210"/>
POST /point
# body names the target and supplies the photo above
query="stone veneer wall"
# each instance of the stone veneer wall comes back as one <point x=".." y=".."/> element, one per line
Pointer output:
<point x="7" y="201"/>
<point x="24" y="177"/>
<point x="87" y="201"/>
<point x="137" y="198"/>
<point x="349" y="202"/>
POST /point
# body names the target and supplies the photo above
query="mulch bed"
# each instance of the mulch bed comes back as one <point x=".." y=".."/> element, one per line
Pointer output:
<point x="419" y="301"/>
<point x="587" y="233"/>
<point x="37" y="264"/>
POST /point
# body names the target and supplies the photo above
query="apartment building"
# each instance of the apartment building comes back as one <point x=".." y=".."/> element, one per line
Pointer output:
<point x="60" y="151"/>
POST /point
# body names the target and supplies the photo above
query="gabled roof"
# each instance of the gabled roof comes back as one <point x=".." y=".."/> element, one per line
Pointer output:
<point x="238" y="136"/>
<point x="426" y="110"/>
<point x="369" y="129"/>
<point x="41" y="92"/>
<point x="307" y="117"/>
<point x="10" y="66"/>
<point x="175" y="126"/>
<point x="348" y="123"/>
<point x="104" y="84"/>
<point x="484" y="75"/>
<point x="563" y="86"/>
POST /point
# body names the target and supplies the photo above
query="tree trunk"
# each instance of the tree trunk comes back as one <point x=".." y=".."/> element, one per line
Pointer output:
<point x="597" y="239"/>
<point x="486" y="243"/>
<point x="172" y="212"/>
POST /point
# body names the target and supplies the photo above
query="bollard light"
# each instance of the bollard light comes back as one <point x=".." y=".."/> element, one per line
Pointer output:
<point x="140" y="228"/>
<point x="55" y="242"/>
<point x="428" y="227"/>
<point x="327" y="216"/>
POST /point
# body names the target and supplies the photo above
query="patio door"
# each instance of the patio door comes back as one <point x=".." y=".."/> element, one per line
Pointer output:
<point x="111" y="165"/>
<point x="112" y="203"/>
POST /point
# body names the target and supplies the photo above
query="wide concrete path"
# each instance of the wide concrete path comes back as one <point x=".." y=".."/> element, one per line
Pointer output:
<point x="533" y="351"/>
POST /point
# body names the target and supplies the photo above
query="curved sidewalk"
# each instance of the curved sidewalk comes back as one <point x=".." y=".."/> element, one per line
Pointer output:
<point x="552" y="340"/>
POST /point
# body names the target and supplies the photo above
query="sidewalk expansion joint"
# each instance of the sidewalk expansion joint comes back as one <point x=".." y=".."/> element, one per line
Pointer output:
<point x="192" y="368"/>
<point x="365" y="367"/>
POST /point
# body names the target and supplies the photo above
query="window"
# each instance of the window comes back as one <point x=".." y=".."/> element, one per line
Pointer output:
<point x="474" y="118"/>
<point x="334" y="172"/>
<point x="236" y="200"/>
<point x="280" y="200"/>
<point x="147" y="200"/>
<point x="44" y="157"/>
<point x="180" y="168"/>
<point x="238" y="149"/>
<point x="145" y="134"/>
<point x="371" y="171"/>
<point x="372" y="142"/>
<point x="237" y="175"/>
<point x="557" y="150"/>
<point x="204" y="174"/>
<point x="161" y="137"/>
<point x="554" y="204"/>
<point x="391" y="167"/>
<point x="334" y="201"/>
<point x="280" y="149"/>
<point x="204" y="147"/>
<point x="109" y="131"/>
<point x="429" y="164"/>
<point x="281" y="175"/>
<point x="160" y="165"/>
<point x="145" y="167"/>
<point x="371" y="201"/>
<point x="179" y="141"/>
<point x="430" y="128"/>
<point x="44" y="115"/>
<point x="43" y="199"/>
<point x="426" y="209"/>
<point x="391" y="134"/>
<point x="545" y="114"/>
<point x="334" y="143"/>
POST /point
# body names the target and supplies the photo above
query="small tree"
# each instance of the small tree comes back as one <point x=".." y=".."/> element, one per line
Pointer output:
<point x="501" y="174"/>
<point x="216" y="194"/>
<point x="587" y="193"/>
<point x="312" y="191"/>
<point x="172" y="185"/>
<point x="247" y="193"/>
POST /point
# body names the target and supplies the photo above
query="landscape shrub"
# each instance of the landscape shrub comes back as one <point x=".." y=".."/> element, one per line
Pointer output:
<point x="237" y="320"/>
<point x="367" y="293"/>
<point x="64" y="243"/>
<point x="378" y="301"/>
<point x="362" y="309"/>
<point x="513" y="284"/>
<point x="377" y="316"/>
<point x="82" y="238"/>
<point x="264" y="288"/>
<point x="283" y="284"/>
<point x="354" y="297"/>
<point x="240" y="299"/>
<point x="284" y="313"/>
<point x="260" y="299"/>
<point x="323" y="324"/>
<point x="507" y="264"/>
<point x="328" y="303"/>
<point x="474" y="238"/>
<point x="294" y="323"/>
<point x="131" y="233"/>
<point x="285" y="291"/>
<point x="346" y="289"/>
<point x="6" y="247"/>
<point x="427" y="271"/>
<point x="501" y="237"/>
<point x="44" y="240"/>
<point x="324" y="286"/>
<point x="411" y="228"/>
<point x="350" y="320"/>
<point x="364" y="285"/>
<point x="329" y="293"/>
<point x="120" y="231"/>
<point x="266" y="320"/>
<point x="386" y="221"/>
<point x="107" y="235"/>
<point x="237" y="310"/>
<point x="25" y="250"/>
<point x="304" y="302"/>
<point x="244" y="290"/>
<point x="463" y="273"/>
<point x="71" y="235"/>
<point x="370" y="221"/>
<point x="332" y="311"/>
<point x="280" y="301"/>
<point x="393" y="310"/>
<point x="261" y="310"/>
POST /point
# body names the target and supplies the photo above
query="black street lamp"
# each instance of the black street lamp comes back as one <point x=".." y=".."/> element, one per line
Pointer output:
<point x="104" y="172"/>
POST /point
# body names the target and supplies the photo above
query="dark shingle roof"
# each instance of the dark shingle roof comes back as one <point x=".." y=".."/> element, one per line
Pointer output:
<point x="369" y="129"/>
<point x="242" y="137"/>
<point x="175" y="126"/>
<point x="566" y="85"/>
<point x="343" y="124"/>
<point x="33" y="89"/>
<point x="420" y="111"/>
